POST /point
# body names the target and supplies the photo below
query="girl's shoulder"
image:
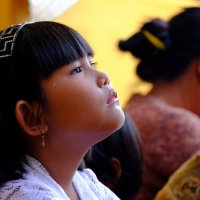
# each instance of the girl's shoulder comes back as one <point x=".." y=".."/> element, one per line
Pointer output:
<point x="35" y="183"/>
<point x="26" y="190"/>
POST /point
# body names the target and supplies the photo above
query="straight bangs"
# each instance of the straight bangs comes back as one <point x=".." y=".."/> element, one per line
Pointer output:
<point x="46" y="46"/>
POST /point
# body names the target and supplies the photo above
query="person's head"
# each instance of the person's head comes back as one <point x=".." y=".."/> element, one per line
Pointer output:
<point x="166" y="49"/>
<point x="51" y="94"/>
<point x="117" y="160"/>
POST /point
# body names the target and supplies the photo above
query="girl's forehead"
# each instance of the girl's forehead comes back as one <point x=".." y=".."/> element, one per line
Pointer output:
<point x="83" y="59"/>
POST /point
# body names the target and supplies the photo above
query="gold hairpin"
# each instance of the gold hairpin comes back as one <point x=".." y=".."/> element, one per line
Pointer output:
<point x="154" y="40"/>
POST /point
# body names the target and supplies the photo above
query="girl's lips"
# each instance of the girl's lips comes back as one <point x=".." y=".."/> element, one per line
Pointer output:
<point x="112" y="98"/>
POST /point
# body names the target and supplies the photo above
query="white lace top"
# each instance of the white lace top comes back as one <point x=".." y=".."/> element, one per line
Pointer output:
<point x="37" y="184"/>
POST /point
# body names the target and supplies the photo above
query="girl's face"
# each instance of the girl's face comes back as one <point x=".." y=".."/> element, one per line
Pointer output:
<point x="81" y="102"/>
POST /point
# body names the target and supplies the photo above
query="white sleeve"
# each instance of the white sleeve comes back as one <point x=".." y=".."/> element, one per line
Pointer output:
<point x="100" y="190"/>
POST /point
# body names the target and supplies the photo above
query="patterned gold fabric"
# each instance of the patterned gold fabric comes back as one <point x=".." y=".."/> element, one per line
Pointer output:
<point x="184" y="184"/>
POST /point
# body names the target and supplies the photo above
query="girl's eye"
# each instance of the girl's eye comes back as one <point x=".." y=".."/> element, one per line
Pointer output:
<point x="77" y="70"/>
<point x="93" y="64"/>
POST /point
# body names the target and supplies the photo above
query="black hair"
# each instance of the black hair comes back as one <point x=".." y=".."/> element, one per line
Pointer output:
<point x="40" y="48"/>
<point x="180" y="36"/>
<point x="125" y="145"/>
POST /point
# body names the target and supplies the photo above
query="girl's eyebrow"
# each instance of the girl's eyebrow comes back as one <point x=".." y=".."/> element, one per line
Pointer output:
<point x="90" y="54"/>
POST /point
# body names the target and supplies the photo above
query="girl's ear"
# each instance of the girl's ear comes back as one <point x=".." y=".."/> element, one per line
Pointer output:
<point x="117" y="167"/>
<point x="31" y="118"/>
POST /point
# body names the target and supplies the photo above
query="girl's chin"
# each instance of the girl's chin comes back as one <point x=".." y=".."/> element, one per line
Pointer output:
<point x="120" y="118"/>
<point x="117" y="122"/>
<point x="121" y="121"/>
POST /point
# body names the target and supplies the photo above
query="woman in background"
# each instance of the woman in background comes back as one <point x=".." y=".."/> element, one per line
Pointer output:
<point x="168" y="116"/>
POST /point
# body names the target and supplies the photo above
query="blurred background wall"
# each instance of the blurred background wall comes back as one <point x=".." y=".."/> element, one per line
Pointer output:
<point x="103" y="23"/>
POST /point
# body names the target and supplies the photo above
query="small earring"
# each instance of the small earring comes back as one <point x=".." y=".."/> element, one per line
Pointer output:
<point x="43" y="141"/>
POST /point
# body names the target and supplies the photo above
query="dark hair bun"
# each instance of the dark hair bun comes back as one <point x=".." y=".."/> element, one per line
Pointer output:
<point x="180" y="38"/>
<point x="140" y="46"/>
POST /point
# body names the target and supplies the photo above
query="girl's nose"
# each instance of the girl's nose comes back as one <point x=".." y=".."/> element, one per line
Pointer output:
<point x="103" y="79"/>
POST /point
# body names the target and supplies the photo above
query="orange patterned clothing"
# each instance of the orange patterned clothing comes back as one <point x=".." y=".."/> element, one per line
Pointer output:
<point x="170" y="136"/>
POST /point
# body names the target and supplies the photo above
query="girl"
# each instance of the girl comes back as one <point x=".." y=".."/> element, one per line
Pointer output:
<point x="54" y="106"/>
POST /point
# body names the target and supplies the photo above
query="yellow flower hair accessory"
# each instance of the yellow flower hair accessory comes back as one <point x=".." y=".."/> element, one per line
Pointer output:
<point x="154" y="40"/>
